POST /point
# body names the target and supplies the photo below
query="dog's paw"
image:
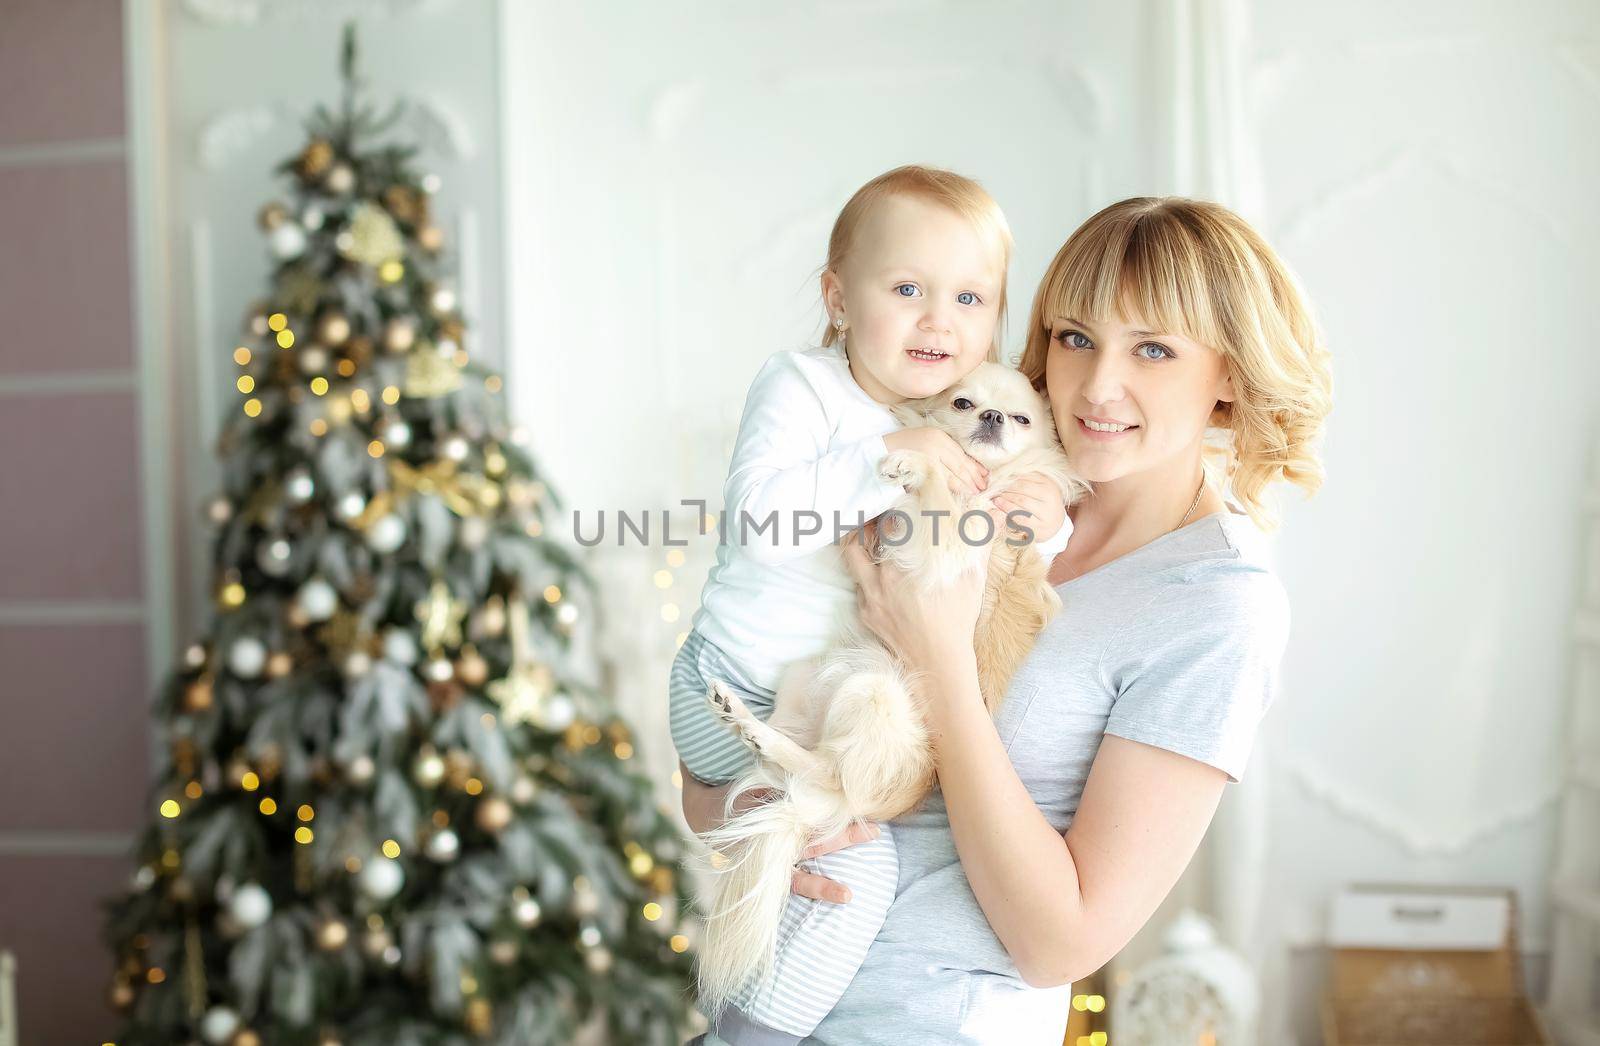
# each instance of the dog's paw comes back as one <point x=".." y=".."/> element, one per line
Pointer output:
<point x="901" y="467"/>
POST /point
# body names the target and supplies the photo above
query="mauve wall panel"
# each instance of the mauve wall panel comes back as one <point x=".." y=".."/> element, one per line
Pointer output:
<point x="51" y="920"/>
<point x="65" y="292"/>
<point x="70" y="525"/>
<point x="60" y="70"/>
<point x="73" y="756"/>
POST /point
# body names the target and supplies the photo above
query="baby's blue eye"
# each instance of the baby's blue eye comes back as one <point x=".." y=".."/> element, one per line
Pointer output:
<point x="968" y="294"/>
<point x="899" y="287"/>
<point x="1163" y="353"/>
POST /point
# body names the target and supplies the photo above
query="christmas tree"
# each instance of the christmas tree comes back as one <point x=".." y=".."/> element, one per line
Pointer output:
<point x="388" y="809"/>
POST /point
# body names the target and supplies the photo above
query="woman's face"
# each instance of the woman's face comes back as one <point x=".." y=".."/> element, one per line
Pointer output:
<point x="920" y="292"/>
<point x="1128" y="398"/>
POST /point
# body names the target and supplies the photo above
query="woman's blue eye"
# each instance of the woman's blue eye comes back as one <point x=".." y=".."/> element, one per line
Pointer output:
<point x="900" y="286"/>
<point x="968" y="294"/>
<point x="1164" y="353"/>
<point x="1074" y="340"/>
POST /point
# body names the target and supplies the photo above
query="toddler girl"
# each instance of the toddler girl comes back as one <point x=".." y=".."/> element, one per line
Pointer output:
<point x="914" y="289"/>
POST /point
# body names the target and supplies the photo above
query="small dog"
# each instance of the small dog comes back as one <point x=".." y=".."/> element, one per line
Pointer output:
<point x="846" y="739"/>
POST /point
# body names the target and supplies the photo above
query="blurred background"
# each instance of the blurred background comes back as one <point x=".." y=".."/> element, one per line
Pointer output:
<point x="639" y="197"/>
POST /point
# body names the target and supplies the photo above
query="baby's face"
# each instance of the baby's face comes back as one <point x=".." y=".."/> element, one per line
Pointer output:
<point x="920" y="292"/>
<point x="994" y="413"/>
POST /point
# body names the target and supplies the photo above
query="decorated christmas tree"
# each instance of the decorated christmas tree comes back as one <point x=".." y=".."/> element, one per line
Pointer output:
<point x="388" y="807"/>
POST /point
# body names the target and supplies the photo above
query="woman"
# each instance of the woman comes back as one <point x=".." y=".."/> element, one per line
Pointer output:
<point x="1059" y="826"/>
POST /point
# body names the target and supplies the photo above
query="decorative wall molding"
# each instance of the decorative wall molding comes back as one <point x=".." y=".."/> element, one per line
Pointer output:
<point x="433" y="125"/>
<point x="250" y="12"/>
<point x="83" y="150"/>
<point x="1317" y="213"/>
<point x="1326" y="790"/>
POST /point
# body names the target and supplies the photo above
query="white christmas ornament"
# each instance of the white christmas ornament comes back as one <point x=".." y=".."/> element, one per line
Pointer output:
<point x="1198" y="991"/>
<point x="273" y="557"/>
<point x="299" y="485"/>
<point x="317" y="600"/>
<point x="558" y="712"/>
<point x="313" y="359"/>
<point x="381" y="878"/>
<point x="397" y="433"/>
<point x="312" y="217"/>
<point x="387" y="534"/>
<point x="288" y="240"/>
<point x="443" y="846"/>
<point x="250" y="906"/>
<point x="247" y="657"/>
<point x="350" y="506"/>
<point x="218" y="1025"/>
<point x="474" y="531"/>
<point x="399" y="646"/>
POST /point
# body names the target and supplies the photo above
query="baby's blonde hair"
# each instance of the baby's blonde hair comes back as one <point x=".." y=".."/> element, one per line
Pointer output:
<point x="956" y="192"/>
<point x="1197" y="269"/>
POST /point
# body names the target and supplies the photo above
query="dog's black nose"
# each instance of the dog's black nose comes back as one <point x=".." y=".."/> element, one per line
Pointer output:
<point x="991" y="417"/>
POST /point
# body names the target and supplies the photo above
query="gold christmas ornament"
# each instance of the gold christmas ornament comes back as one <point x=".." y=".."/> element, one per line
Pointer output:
<point x="503" y="950"/>
<point x="429" y="374"/>
<point x="299" y="288"/>
<point x="431" y="238"/>
<point x="399" y="334"/>
<point x="245" y="1037"/>
<point x="402" y="203"/>
<point x="472" y="669"/>
<point x="463" y="493"/>
<point x="279" y="665"/>
<point x="332" y="935"/>
<point x="315" y="158"/>
<point x="341" y="179"/>
<point x="458" y="767"/>
<point x="441" y="615"/>
<point x="333" y="328"/>
<point x="479" y="1017"/>
<point x="374" y="238"/>
<point x="121" y="995"/>
<point x="522" y="692"/>
<point x="493" y="814"/>
<point x="272" y="215"/>
<point x="198" y="696"/>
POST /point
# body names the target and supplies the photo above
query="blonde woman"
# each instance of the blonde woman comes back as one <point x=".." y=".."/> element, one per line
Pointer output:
<point x="1060" y="825"/>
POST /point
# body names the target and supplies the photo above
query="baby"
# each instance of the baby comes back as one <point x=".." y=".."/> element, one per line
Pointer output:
<point x="915" y="290"/>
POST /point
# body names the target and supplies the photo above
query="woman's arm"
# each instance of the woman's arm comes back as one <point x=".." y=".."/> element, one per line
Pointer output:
<point x="1063" y="907"/>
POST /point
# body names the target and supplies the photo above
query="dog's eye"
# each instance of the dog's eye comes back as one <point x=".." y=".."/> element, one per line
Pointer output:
<point x="1020" y="419"/>
<point x="961" y="403"/>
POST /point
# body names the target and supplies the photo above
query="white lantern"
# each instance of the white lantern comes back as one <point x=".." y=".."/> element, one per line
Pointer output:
<point x="1198" y="991"/>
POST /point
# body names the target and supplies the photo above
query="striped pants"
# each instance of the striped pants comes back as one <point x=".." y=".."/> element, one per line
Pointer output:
<point x="820" y="944"/>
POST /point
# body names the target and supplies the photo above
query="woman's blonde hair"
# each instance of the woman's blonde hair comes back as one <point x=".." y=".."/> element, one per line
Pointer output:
<point x="1197" y="269"/>
<point x="957" y="193"/>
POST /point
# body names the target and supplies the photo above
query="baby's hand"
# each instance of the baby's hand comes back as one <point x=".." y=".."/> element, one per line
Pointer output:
<point x="809" y="884"/>
<point x="1034" y="494"/>
<point x="967" y="474"/>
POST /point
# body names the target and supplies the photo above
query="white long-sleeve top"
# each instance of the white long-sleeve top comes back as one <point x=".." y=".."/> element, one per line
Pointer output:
<point x="810" y="441"/>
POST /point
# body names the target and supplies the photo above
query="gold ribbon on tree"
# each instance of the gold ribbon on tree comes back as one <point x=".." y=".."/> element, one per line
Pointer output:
<point x="521" y="693"/>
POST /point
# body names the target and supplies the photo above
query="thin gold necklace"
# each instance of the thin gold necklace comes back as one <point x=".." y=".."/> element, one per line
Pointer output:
<point x="1197" y="492"/>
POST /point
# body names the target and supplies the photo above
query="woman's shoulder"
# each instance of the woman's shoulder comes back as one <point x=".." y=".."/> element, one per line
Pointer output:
<point x="1218" y="571"/>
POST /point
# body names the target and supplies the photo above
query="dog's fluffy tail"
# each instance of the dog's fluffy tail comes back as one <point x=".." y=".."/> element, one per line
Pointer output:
<point x="762" y="846"/>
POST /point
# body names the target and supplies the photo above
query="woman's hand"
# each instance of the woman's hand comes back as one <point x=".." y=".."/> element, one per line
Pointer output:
<point x="1037" y="496"/>
<point x="967" y="474"/>
<point x="927" y="635"/>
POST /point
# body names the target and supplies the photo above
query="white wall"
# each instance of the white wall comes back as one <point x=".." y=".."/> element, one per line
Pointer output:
<point x="1429" y="171"/>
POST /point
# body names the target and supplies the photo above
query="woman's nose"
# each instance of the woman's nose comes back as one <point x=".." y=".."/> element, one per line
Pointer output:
<point x="1104" y="381"/>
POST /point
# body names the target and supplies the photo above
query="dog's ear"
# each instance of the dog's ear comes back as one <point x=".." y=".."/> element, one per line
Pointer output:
<point x="911" y="412"/>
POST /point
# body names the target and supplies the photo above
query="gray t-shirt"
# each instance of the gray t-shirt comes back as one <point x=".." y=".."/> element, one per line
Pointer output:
<point x="1177" y="645"/>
